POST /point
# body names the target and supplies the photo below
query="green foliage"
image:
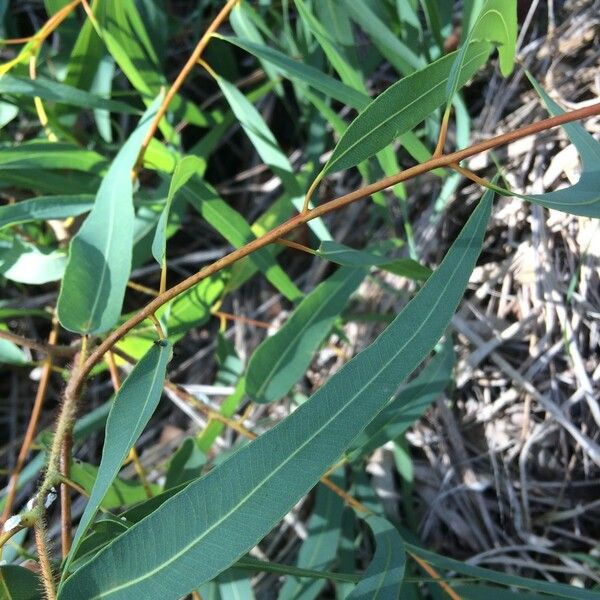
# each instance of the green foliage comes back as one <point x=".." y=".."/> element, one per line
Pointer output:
<point x="236" y="154"/>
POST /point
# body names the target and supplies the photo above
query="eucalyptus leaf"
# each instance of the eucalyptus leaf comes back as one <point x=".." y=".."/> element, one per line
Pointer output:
<point x="43" y="208"/>
<point x="25" y="262"/>
<point x="400" y="108"/>
<point x="18" y="583"/>
<point x="384" y="575"/>
<point x="266" y="477"/>
<point x="131" y="410"/>
<point x="281" y="359"/>
<point x="93" y="287"/>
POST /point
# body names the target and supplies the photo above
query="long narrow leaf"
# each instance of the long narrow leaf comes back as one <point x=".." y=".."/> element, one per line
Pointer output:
<point x="93" y="288"/>
<point x="244" y="497"/>
<point x="281" y="359"/>
<point x="383" y="577"/>
<point x="133" y="406"/>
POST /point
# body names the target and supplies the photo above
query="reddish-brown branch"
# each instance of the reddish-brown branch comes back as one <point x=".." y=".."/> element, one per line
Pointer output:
<point x="331" y="206"/>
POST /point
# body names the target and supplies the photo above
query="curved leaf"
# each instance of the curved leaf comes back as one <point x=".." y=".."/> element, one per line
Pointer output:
<point x="583" y="198"/>
<point x="383" y="577"/>
<point x="132" y="408"/>
<point x="281" y="359"/>
<point x="184" y="170"/>
<point x="344" y="255"/>
<point x="400" y="108"/>
<point x="242" y="498"/>
<point x="93" y="287"/>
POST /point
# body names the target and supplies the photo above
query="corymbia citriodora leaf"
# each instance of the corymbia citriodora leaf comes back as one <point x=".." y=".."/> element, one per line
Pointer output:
<point x="281" y="359"/>
<point x="343" y="255"/>
<point x="583" y="198"/>
<point x="18" y="583"/>
<point x="384" y="575"/>
<point x="274" y="471"/>
<point x="400" y="108"/>
<point x="132" y="408"/>
<point x="43" y="208"/>
<point x="496" y="22"/>
<point x="93" y="287"/>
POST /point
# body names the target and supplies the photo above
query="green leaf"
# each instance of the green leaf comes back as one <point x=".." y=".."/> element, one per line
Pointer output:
<point x="496" y="22"/>
<point x="185" y="464"/>
<point x="274" y="471"/>
<point x="47" y="89"/>
<point x="18" y="583"/>
<point x="43" y="208"/>
<point x="236" y="230"/>
<point x="50" y="155"/>
<point x="93" y="287"/>
<point x="303" y="73"/>
<point x="131" y="410"/>
<point x="583" y="198"/>
<point x="282" y="359"/>
<point x="235" y="585"/>
<point x="319" y="549"/>
<point x="383" y="577"/>
<point x="267" y="148"/>
<point x="408" y="405"/>
<point x="400" y="108"/>
<point x="10" y="353"/>
<point x="27" y="263"/>
<point x="184" y="170"/>
<point x="120" y="493"/>
<point x="344" y="255"/>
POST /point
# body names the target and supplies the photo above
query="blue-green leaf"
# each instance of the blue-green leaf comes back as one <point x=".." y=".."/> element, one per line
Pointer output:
<point x="400" y="108"/>
<point x="184" y="170"/>
<point x="27" y="263"/>
<point x="43" y="208"/>
<point x="583" y="198"/>
<point x="266" y="477"/>
<point x="18" y="583"/>
<point x="281" y="359"/>
<point x="132" y="408"/>
<point x="93" y="287"/>
<point x="383" y="577"/>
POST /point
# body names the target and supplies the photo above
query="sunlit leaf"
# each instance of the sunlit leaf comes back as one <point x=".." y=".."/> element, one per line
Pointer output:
<point x="93" y="287"/>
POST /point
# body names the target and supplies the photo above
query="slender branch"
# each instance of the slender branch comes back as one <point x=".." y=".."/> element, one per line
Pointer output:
<point x="176" y="85"/>
<point x="31" y="426"/>
<point x="300" y="219"/>
<point x="51" y="348"/>
<point x="44" y="559"/>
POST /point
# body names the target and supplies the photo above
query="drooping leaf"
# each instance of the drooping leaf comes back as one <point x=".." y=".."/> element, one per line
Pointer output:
<point x="281" y="359"/>
<point x="274" y="471"/>
<point x="131" y="410"/>
<point x="93" y="287"/>
<point x="18" y="583"/>
<point x="384" y="575"/>
<point x="184" y="170"/>
<point x="344" y="255"/>
<point x="235" y="585"/>
<point x="43" y="208"/>
<point x="11" y="353"/>
<point x="400" y="108"/>
<point x="583" y="198"/>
